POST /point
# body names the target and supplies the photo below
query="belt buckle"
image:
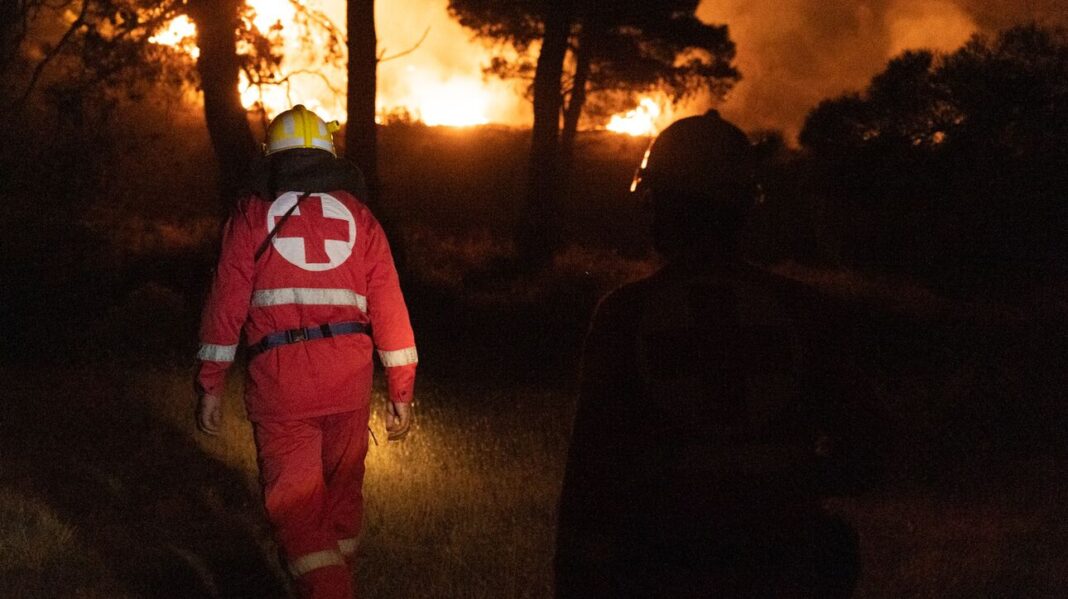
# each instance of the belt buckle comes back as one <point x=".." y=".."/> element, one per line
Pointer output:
<point x="296" y="335"/>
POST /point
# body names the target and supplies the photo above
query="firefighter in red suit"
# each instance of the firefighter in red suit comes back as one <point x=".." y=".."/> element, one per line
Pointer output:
<point x="306" y="273"/>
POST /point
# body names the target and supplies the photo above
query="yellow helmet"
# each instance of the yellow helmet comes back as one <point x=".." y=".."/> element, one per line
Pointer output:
<point x="299" y="127"/>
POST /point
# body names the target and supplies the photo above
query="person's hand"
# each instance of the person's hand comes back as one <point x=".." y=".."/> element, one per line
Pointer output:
<point x="398" y="420"/>
<point x="209" y="414"/>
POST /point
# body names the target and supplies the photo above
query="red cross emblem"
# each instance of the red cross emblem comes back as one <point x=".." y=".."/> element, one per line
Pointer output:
<point x="319" y="235"/>
<point x="309" y="224"/>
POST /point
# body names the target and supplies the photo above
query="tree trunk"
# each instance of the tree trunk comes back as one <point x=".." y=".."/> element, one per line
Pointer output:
<point x="360" y="134"/>
<point x="218" y="65"/>
<point x="578" y="97"/>
<point x="13" y="17"/>
<point x="539" y="231"/>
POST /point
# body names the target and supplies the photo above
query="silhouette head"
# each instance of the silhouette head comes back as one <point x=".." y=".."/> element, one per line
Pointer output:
<point x="697" y="177"/>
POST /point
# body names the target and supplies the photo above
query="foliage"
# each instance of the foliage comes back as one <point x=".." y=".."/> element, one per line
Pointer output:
<point x="262" y="52"/>
<point x="517" y="22"/>
<point x="96" y="44"/>
<point x="612" y="50"/>
<point x="952" y="166"/>
<point x="105" y="46"/>
<point x="631" y="46"/>
<point x="659" y="45"/>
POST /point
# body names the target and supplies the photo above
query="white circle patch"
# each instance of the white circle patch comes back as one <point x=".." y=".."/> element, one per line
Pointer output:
<point x="319" y="235"/>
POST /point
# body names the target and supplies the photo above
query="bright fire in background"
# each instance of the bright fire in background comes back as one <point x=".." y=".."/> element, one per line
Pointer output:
<point x="180" y="33"/>
<point x="638" y="122"/>
<point x="452" y="102"/>
<point x="439" y="82"/>
<point x="792" y="55"/>
<point x="308" y="77"/>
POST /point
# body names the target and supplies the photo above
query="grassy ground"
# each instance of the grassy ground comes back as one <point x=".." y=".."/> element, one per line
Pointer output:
<point x="463" y="507"/>
<point x="122" y="502"/>
<point x="106" y="490"/>
<point x="996" y="533"/>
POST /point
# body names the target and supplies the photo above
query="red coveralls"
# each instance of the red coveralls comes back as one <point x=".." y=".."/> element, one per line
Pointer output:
<point x="309" y="401"/>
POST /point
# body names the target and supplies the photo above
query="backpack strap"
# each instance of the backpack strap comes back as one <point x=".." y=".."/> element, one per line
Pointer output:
<point x="270" y="236"/>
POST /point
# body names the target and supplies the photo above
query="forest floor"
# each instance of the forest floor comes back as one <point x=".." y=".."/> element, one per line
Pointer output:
<point x="106" y="490"/>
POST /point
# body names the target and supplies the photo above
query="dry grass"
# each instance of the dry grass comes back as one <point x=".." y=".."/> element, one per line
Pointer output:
<point x="465" y="506"/>
<point x="468" y="266"/>
<point x="462" y="508"/>
<point x="170" y="394"/>
<point x="1006" y="538"/>
<point x="42" y="556"/>
<point x="886" y="291"/>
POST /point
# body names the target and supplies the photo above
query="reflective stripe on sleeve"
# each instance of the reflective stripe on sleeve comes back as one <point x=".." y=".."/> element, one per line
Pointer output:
<point x="209" y="352"/>
<point x="398" y="357"/>
<point x="313" y="561"/>
<point x="348" y="546"/>
<point x="308" y="296"/>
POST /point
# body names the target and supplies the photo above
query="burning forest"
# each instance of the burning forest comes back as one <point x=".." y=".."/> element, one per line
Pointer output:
<point x="471" y="298"/>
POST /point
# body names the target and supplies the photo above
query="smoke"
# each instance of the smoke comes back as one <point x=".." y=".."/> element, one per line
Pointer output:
<point x="794" y="53"/>
<point x="432" y="68"/>
<point x="442" y="76"/>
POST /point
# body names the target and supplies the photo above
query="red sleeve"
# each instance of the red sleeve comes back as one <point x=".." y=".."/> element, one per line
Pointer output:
<point x="227" y="305"/>
<point x="391" y="328"/>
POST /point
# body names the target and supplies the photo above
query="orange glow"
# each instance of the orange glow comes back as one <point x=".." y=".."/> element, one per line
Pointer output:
<point x="792" y="55"/>
<point x="433" y="96"/>
<point x="641" y="122"/>
<point x="939" y="25"/>
<point x="455" y="102"/>
<point x="181" y="34"/>
<point x="268" y="13"/>
<point x="308" y="75"/>
<point x="439" y="83"/>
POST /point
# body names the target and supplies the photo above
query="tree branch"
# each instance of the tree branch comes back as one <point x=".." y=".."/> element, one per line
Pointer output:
<point x="39" y="69"/>
<point x="319" y="17"/>
<point x="286" y="80"/>
<point x="383" y="58"/>
<point x="326" y="80"/>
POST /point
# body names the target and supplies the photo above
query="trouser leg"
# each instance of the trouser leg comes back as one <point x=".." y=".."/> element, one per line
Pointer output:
<point x="344" y="450"/>
<point x="295" y="497"/>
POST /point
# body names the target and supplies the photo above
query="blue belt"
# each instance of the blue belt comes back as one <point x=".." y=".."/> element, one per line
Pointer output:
<point x="273" y="340"/>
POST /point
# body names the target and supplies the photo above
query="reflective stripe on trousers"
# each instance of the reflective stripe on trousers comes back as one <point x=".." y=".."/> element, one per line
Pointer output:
<point x="312" y="472"/>
<point x="313" y="561"/>
<point x="347" y="547"/>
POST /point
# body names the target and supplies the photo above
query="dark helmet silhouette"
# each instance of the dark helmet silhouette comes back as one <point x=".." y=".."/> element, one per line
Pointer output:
<point x="698" y="157"/>
<point x="697" y="177"/>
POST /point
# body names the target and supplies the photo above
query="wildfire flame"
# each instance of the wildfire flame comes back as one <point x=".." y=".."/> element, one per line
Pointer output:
<point x="425" y="87"/>
<point x="454" y="102"/>
<point x="267" y="14"/>
<point x="181" y="34"/>
<point x="640" y="122"/>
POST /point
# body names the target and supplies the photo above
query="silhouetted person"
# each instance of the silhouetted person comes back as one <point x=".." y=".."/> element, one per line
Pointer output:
<point x="695" y="467"/>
